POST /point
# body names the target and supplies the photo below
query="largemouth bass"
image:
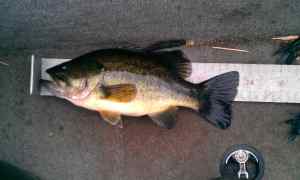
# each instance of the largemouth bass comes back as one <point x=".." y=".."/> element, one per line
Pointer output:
<point x="137" y="82"/>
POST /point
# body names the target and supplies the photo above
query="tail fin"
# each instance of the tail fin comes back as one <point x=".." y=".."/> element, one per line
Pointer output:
<point x="216" y="96"/>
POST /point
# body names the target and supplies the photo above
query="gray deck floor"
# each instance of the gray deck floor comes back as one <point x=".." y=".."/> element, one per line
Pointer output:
<point x="56" y="140"/>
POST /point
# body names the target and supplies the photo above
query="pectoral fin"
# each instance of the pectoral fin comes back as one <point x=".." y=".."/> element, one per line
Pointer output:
<point x="120" y="92"/>
<point x="165" y="119"/>
<point x="112" y="118"/>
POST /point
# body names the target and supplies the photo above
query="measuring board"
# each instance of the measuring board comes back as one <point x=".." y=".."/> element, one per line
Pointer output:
<point x="258" y="82"/>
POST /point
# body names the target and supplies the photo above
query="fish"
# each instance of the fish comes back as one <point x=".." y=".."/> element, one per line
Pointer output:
<point x="142" y="81"/>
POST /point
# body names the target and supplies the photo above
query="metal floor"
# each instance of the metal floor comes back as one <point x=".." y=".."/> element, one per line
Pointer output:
<point x="56" y="140"/>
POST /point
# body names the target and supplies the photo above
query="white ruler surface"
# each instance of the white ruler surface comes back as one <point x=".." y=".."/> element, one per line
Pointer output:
<point x="258" y="82"/>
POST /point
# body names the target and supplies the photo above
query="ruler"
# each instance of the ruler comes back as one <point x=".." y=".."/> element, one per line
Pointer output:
<point x="258" y="82"/>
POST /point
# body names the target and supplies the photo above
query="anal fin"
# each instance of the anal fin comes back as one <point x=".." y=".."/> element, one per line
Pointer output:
<point x="165" y="119"/>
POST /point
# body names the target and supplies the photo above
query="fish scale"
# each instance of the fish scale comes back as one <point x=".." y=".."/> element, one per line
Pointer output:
<point x="149" y="89"/>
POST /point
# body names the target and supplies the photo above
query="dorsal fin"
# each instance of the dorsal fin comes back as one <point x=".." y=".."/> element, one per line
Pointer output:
<point x="160" y="45"/>
<point x="173" y="61"/>
<point x="176" y="62"/>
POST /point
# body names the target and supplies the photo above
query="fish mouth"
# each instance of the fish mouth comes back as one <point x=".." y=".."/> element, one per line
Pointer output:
<point x="55" y="89"/>
<point x="51" y="87"/>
